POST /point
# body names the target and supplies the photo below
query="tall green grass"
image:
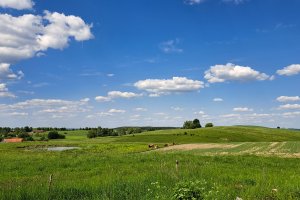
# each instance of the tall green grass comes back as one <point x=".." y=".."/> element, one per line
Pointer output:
<point x="123" y="168"/>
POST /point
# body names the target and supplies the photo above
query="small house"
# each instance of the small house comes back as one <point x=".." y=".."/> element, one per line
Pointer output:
<point x="13" y="140"/>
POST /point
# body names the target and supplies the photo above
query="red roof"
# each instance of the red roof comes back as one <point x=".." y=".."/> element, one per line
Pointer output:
<point x="12" y="140"/>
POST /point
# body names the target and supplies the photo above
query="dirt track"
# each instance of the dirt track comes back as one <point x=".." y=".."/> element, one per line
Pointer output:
<point x="200" y="146"/>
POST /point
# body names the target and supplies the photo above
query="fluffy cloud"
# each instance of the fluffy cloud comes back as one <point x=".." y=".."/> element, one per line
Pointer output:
<point x="116" y="111"/>
<point x="242" y="109"/>
<point x="116" y="94"/>
<point x="287" y="98"/>
<point x="28" y="35"/>
<point x="46" y="104"/>
<point x="102" y="99"/>
<point x="4" y="91"/>
<point x="17" y="4"/>
<point x="289" y="70"/>
<point x="170" y="46"/>
<point x="7" y="74"/>
<point x="218" y="100"/>
<point x="141" y="109"/>
<point x="44" y="109"/>
<point x="159" y="87"/>
<point x="231" y="72"/>
<point x="289" y="107"/>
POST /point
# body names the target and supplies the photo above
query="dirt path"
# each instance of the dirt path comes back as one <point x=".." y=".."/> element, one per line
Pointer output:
<point x="200" y="146"/>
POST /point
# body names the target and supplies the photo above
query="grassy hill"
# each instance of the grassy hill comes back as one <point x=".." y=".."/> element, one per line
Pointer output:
<point x="215" y="135"/>
<point x="249" y="162"/>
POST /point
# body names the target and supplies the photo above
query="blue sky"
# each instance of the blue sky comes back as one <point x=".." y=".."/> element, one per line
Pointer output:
<point x="114" y="63"/>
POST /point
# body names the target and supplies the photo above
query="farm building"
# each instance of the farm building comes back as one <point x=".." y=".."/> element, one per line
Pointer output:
<point x="13" y="140"/>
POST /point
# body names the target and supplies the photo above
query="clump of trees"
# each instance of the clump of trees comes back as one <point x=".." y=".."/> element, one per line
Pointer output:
<point x="100" y="132"/>
<point x="55" y="135"/>
<point x="103" y="132"/>
<point x="20" y="132"/>
<point x="208" y="125"/>
<point x="191" y="124"/>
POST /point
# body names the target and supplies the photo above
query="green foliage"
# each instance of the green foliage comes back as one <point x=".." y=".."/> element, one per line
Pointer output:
<point x="195" y="190"/>
<point x="55" y="135"/>
<point x="192" y="124"/>
<point x="92" y="133"/>
<point x="208" y="125"/>
<point x="117" y="167"/>
<point x="101" y="132"/>
<point x="196" y="123"/>
<point x="23" y="135"/>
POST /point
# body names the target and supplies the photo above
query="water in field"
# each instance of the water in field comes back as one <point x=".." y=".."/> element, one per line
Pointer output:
<point x="61" y="148"/>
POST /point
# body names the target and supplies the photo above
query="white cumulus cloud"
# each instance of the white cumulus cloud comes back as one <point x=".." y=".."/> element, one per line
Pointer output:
<point x="288" y="98"/>
<point x="157" y="87"/>
<point x="231" y="72"/>
<point x="289" y="107"/>
<point x="4" y="91"/>
<point x="116" y="111"/>
<point x="242" y="109"/>
<point x="17" y="4"/>
<point x="7" y="74"/>
<point x="117" y="94"/>
<point x="25" y="36"/>
<point x="289" y="70"/>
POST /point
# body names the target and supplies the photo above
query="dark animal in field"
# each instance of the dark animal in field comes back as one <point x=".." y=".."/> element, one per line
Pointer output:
<point x="166" y="145"/>
<point x="151" y="145"/>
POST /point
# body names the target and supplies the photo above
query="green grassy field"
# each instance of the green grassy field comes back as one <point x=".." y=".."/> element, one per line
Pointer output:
<point x="246" y="162"/>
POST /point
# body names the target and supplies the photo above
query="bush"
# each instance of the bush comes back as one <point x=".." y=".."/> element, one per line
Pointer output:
<point x="209" y="125"/>
<point x="23" y="135"/>
<point x="29" y="138"/>
<point x="195" y="190"/>
<point x="92" y="134"/>
<point x="43" y="138"/>
<point x="55" y="135"/>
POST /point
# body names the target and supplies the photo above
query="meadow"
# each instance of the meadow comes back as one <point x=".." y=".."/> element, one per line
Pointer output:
<point x="229" y="162"/>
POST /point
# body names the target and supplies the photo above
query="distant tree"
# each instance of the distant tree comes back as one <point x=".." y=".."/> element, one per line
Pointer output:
<point x="23" y="135"/>
<point x="209" y="125"/>
<point x="55" y="135"/>
<point x="278" y="127"/>
<point x="27" y="129"/>
<point x="196" y="123"/>
<point x="188" y="125"/>
<point x="92" y="133"/>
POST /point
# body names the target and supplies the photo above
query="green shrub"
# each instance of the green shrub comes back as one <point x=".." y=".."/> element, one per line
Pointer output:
<point x="209" y="125"/>
<point x="55" y="135"/>
<point x="195" y="190"/>
<point x="23" y="135"/>
<point x="92" y="134"/>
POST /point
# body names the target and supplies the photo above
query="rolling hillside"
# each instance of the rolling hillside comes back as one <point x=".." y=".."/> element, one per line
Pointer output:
<point x="223" y="134"/>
